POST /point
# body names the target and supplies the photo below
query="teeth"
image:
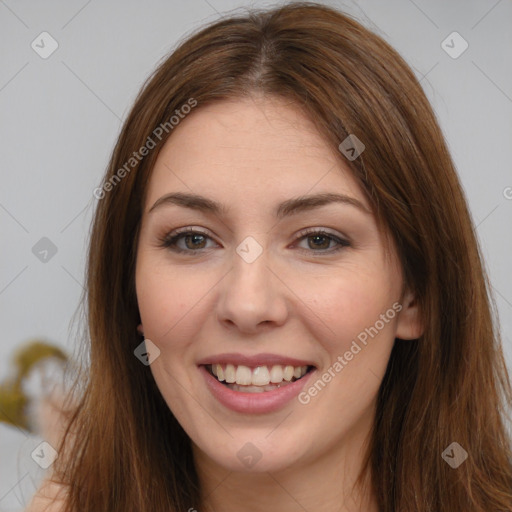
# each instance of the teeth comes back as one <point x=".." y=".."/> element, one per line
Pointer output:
<point x="276" y="374"/>
<point x="220" y="372"/>
<point x="288" y="373"/>
<point x="259" y="376"/>
<point x="243" y="375"/>
<point x="229" y="374"/>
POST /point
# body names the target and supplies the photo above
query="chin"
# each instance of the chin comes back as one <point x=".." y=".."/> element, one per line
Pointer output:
<point x="252" y="454"/>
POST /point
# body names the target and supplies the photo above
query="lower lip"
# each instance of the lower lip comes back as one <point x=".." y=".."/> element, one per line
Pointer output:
<point x="254" y="403"/>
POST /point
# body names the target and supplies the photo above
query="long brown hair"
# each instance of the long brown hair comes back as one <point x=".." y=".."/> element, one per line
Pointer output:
<point x="450" y="385"/>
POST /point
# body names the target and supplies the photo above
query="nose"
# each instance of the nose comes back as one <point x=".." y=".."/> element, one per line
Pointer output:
<point x="251" y="296"/>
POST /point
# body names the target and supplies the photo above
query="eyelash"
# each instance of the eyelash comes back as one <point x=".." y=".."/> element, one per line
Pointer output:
<point x="170" y="240"/>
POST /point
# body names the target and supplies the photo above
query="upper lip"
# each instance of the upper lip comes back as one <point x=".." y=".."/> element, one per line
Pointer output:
<point x="254" y="360"/>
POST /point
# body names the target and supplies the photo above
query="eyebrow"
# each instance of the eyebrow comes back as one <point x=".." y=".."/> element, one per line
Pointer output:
<point x="286" y="208"/>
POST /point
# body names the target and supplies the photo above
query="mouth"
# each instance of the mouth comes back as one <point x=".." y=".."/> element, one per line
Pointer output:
<point x="257" y="379"/>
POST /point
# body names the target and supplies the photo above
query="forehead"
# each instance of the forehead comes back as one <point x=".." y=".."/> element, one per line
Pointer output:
<point x="254" y="148"/>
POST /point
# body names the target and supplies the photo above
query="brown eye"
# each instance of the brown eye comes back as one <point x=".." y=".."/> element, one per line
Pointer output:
<point x="319" y="242"/>
<point x="195" y="241"/>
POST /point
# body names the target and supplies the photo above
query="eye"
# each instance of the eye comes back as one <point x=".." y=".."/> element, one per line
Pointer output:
<point x="320" y="241"/>
<point x="189" y="240"/>
<point x="186" y="240"/>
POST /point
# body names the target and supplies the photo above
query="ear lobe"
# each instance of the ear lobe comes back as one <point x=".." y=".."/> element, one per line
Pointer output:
<point x="140" y="330"/>
<point x="409" y="324"/>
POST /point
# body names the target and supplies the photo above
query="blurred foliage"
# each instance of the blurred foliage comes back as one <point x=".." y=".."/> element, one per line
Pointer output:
<point x="13" y="399"/>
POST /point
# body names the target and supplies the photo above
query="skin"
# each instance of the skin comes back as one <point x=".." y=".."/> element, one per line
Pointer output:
<point x="298" y="298"/>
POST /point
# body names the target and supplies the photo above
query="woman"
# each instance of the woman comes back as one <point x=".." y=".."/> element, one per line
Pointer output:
<point x="287" y="305"/>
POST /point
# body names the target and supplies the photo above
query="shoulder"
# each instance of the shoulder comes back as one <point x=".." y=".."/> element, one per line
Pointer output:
<point x="50" y="497"/>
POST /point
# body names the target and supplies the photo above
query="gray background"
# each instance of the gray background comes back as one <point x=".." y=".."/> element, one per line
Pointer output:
<point x="60" y="117"/>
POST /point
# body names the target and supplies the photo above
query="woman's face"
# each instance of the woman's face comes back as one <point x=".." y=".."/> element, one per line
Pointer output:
<point x="258" y="252"/>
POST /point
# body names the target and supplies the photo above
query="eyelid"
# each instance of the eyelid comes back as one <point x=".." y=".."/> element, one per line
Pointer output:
<point x="326" y="231"/>
<point x="189" y="229"/>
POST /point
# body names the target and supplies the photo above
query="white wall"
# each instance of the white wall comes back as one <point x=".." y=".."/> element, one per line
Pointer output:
<point x="60" y="117"/>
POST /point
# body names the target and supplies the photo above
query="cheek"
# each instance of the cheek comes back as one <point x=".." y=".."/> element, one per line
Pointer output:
<point x="349" y="301"/>
<point x="166" y="304"/>
<point x="357" y="308"/>
<point x="166" y="299"/>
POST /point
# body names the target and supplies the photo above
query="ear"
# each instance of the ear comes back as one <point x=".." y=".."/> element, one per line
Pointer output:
<point x="140" y="330"/>
<point x="409" y="324"/>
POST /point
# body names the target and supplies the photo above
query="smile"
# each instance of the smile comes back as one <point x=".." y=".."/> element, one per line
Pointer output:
<point x="276" y="384"/>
